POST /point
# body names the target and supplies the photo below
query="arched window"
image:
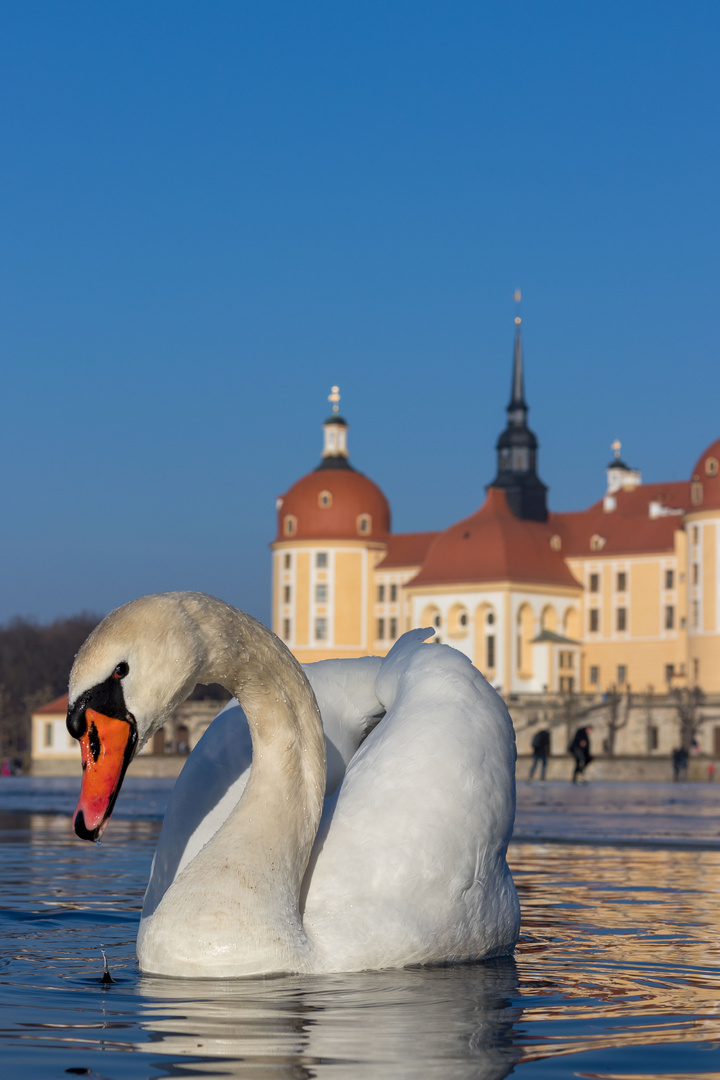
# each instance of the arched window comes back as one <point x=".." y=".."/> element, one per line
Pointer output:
<point x="364" y="524"/>
<point x="325" y="499"/>
<point x="290" y="525"/>
<point x="458" y="621"/>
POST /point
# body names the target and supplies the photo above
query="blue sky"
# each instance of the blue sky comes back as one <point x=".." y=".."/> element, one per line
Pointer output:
<point x="211" y="212"/>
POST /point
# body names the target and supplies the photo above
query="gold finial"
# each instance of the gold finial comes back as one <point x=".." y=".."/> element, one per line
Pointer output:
<point x="518" y="298"/>
<point x="334" y="397"/>
<point x="616" y="447"/>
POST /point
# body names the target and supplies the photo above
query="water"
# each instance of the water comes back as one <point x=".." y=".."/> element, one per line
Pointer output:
<point x="617" y="973"/>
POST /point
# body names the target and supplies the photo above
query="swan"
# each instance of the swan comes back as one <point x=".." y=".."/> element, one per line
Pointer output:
<point x="405" y="862"/>
<point x="214" y="776"/>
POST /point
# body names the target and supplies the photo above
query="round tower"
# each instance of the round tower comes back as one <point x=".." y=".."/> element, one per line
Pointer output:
<point x="332" y="530"/>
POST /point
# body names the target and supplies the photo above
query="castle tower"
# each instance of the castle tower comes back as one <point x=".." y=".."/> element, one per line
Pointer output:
<point x="517" y="448"/>
<point x="333" y="527"/>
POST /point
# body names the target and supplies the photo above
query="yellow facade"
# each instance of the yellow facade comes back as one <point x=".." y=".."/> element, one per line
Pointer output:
<point x="640" y="616"/>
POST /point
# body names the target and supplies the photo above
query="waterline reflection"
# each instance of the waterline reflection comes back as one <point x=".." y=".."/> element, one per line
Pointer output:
<point x="457" y="1021"/>
<point x="617" y="974"/>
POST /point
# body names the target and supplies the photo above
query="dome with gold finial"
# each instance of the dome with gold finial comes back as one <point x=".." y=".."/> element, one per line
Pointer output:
<point x="334" y="501"/>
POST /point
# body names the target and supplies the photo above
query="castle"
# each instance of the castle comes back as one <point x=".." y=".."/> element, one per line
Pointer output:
<point x="625" y="593"/>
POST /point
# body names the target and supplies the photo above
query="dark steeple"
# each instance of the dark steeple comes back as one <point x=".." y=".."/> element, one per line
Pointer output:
<point x="517" y="449"/>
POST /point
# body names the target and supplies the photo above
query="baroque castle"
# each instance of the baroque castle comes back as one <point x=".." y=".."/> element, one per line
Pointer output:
<point x="624" y="593"/>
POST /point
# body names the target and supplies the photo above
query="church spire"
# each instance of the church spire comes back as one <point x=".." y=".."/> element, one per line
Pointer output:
<point x="517" y="395"/>
<point x="517" y="447"/>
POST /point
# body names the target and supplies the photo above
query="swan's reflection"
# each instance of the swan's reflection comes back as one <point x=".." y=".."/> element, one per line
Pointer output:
<point x="457" y="1021"/>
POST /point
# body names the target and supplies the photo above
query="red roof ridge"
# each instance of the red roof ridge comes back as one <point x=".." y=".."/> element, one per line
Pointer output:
<point x="57" y="705"/>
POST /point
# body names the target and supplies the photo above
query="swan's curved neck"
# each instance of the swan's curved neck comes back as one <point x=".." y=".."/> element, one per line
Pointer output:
<point x="248" y="876"/>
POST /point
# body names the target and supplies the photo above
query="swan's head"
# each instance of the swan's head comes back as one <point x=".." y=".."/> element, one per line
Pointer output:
<point x="138" y="665"/>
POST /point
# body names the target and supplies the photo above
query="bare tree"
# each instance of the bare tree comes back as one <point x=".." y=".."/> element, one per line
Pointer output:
<point x="688" y="703"/>
<point x="618" y="717"/>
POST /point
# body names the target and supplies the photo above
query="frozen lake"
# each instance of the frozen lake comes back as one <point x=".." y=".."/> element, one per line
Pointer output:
<point x="617" y="973"/>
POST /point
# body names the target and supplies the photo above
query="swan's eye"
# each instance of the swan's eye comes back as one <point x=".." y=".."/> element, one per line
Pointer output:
<point x="121" y="670"/>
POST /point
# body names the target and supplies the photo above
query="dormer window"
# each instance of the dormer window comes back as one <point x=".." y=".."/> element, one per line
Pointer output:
<point x="364" y="524"/>
<point x="289" y="525"/>
<point x="711" y="466"/>
<point x="325" y="499"/>
<point x="597" y="542"/>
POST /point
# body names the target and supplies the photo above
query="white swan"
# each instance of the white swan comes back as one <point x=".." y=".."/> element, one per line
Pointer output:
<point x="214" y="776"/>
<point x="408" y="864"/>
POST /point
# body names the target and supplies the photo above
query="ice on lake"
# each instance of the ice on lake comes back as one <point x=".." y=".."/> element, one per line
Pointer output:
<point x="617" y="973"/>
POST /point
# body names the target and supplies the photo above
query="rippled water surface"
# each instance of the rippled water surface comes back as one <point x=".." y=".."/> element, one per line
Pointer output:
<point x="617" y="973"/>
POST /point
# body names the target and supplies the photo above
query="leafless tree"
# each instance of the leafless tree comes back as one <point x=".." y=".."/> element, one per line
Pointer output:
<point x="688" y="704"/>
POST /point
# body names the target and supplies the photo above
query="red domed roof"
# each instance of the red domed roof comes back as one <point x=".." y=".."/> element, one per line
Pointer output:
<point x="333" y="504"/>
<point x="494" y="545"/>
<point x="707" y="472"/>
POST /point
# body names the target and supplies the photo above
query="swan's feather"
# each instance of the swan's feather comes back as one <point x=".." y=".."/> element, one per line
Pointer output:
<point x="409" y="864"/>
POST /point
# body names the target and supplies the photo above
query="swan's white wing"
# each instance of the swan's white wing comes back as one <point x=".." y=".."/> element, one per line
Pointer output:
<point x="208" y="788"/>
<point x="214" y="776"/>
<point x="410" y="866"/>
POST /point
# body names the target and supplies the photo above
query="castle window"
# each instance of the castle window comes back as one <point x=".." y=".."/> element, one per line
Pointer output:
<point x="597" y="542"/>
<point x="393" y="594"/>
<point x="463" y="619"/>
<point x="380" y="630"/>
<point x="393" y="629"/>
<point x="622" y="581"/>
<point x="48" y="740"/>
<point x="594" y="582"/>
<point x="669" y="579"/>
<point x="669" y="672"/>
<point x="290" y="525"/>
<point x="594" y="675"/>
<point x="594" y="624"/>
<point x="622" y="674"/>
<point x="287" y="592"/>
<point x="320" y="629"/>
<point x="669" y="617"/>
<point x="381" y="594"/>
<point x="695" y="573"/>
<point x="287" y="562"/>
<point x="436" y="621"/>
<point x="364" y="524"/>
<point x="491" y="618"/>
<point x="490" y="651"/>
<point x="711" y="466"/>
<point x="325" y="499"/>
<point x="321" y="559"/>
<point x="286" y="629"/>
<point x="621" y="619"/>
<point x="321" y="594"/>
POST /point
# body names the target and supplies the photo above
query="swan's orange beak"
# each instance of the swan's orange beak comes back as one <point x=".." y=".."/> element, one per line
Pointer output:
<point x="107" y="747"/>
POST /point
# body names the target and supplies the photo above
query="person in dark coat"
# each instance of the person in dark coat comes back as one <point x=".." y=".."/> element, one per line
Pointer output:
<point x="580" y="750"/>
<point x="541" y="751"/>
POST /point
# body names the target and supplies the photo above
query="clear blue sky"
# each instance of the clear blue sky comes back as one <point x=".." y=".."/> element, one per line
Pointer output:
<point x="213" y="211"/>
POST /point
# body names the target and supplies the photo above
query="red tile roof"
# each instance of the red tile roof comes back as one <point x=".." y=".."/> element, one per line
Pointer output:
<point x="707" y="472"/>
<point x="56" y="706"/>
<point x="494" y="545"/>
<point x="351" y="494"/>
<point x="407" y="549"/>
<point x="629" y="529"/>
